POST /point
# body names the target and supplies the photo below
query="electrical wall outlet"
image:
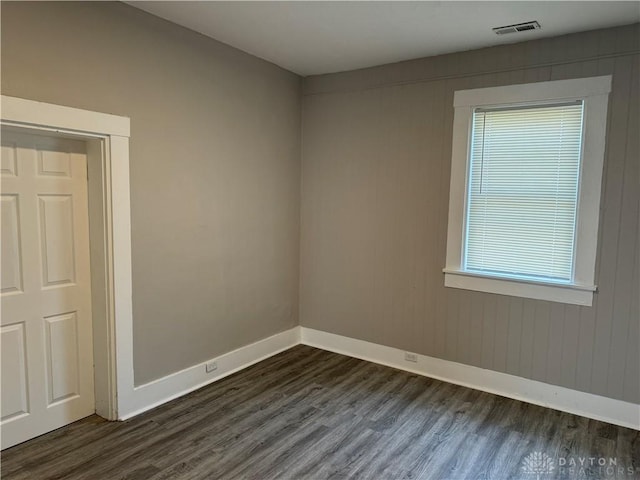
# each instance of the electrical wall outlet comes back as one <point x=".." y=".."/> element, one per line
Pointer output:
<point x="411" y="357"/>
<point x="211" y="367"/>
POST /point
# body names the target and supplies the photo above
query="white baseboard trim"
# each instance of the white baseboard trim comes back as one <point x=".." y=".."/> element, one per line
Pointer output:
<point x="564" y="399"/>
<point x="155" y="393"/>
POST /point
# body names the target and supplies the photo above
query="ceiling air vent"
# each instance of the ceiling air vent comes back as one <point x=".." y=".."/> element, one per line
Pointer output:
<point x="519" y="27"/>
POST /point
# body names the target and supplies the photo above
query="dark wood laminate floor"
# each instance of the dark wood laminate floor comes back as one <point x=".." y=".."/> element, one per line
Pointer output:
<point x="311" y="414"/>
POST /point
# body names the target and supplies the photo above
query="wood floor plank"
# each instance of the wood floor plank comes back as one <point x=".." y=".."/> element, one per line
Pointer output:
<point x="314" y="415"/>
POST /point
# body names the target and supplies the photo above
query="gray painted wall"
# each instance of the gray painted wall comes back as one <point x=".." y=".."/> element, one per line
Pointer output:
<point x="375" y="189"/>
<point x="215" y="184"/>
<point x="215" y="168"/>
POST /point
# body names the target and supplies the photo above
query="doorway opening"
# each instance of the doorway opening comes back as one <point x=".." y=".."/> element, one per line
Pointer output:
<point x="106" y="141"/>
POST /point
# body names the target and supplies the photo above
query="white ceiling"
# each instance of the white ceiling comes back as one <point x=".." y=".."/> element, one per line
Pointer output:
<point x="314" y="37"/>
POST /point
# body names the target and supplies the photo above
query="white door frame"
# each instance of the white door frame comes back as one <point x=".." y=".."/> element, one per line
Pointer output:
<point x="107" y="139"/>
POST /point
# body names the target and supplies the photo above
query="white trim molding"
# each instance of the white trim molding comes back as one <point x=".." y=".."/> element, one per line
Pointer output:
<point x="594" y="93"/>
<point x="574" y="294"/>
<point x="30" y="112"/>
<point x="165" y="389"/>
<point x="564" y="399"/>
<point x="107" y="138"/>
<point x="555" y="90"/>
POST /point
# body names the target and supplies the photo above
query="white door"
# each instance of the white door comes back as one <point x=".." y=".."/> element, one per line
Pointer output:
<point x="46" y="342"/>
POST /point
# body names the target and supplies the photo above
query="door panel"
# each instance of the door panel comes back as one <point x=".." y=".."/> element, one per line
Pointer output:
<point x="54" y="164"/>
<point x="56" y="239"/>
<point x="46" y="341"/>
<point x="14" y="372"/>
<point x="62" y="357"/>
<point x="11" y="264"/>
<point x="8" y="162"/>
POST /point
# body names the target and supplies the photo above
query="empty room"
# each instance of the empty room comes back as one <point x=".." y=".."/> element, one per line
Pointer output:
<point x="320" y="240"/>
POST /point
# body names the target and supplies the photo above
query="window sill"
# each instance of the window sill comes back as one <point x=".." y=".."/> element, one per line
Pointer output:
<point x="553" y="292"/>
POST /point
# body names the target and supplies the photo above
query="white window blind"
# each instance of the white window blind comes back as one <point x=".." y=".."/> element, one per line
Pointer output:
<point x="523" y="191"/>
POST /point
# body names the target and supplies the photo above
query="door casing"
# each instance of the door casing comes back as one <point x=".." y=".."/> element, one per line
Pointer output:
<point x="107" y="139"/>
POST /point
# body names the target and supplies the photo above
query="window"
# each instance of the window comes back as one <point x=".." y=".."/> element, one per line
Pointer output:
<point x="525" y="189"/>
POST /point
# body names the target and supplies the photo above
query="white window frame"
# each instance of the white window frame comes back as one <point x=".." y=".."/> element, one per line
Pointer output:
<point x="594" y="92"/>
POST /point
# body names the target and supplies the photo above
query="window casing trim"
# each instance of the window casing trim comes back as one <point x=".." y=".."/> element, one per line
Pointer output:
<point x="594" y="92"/>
